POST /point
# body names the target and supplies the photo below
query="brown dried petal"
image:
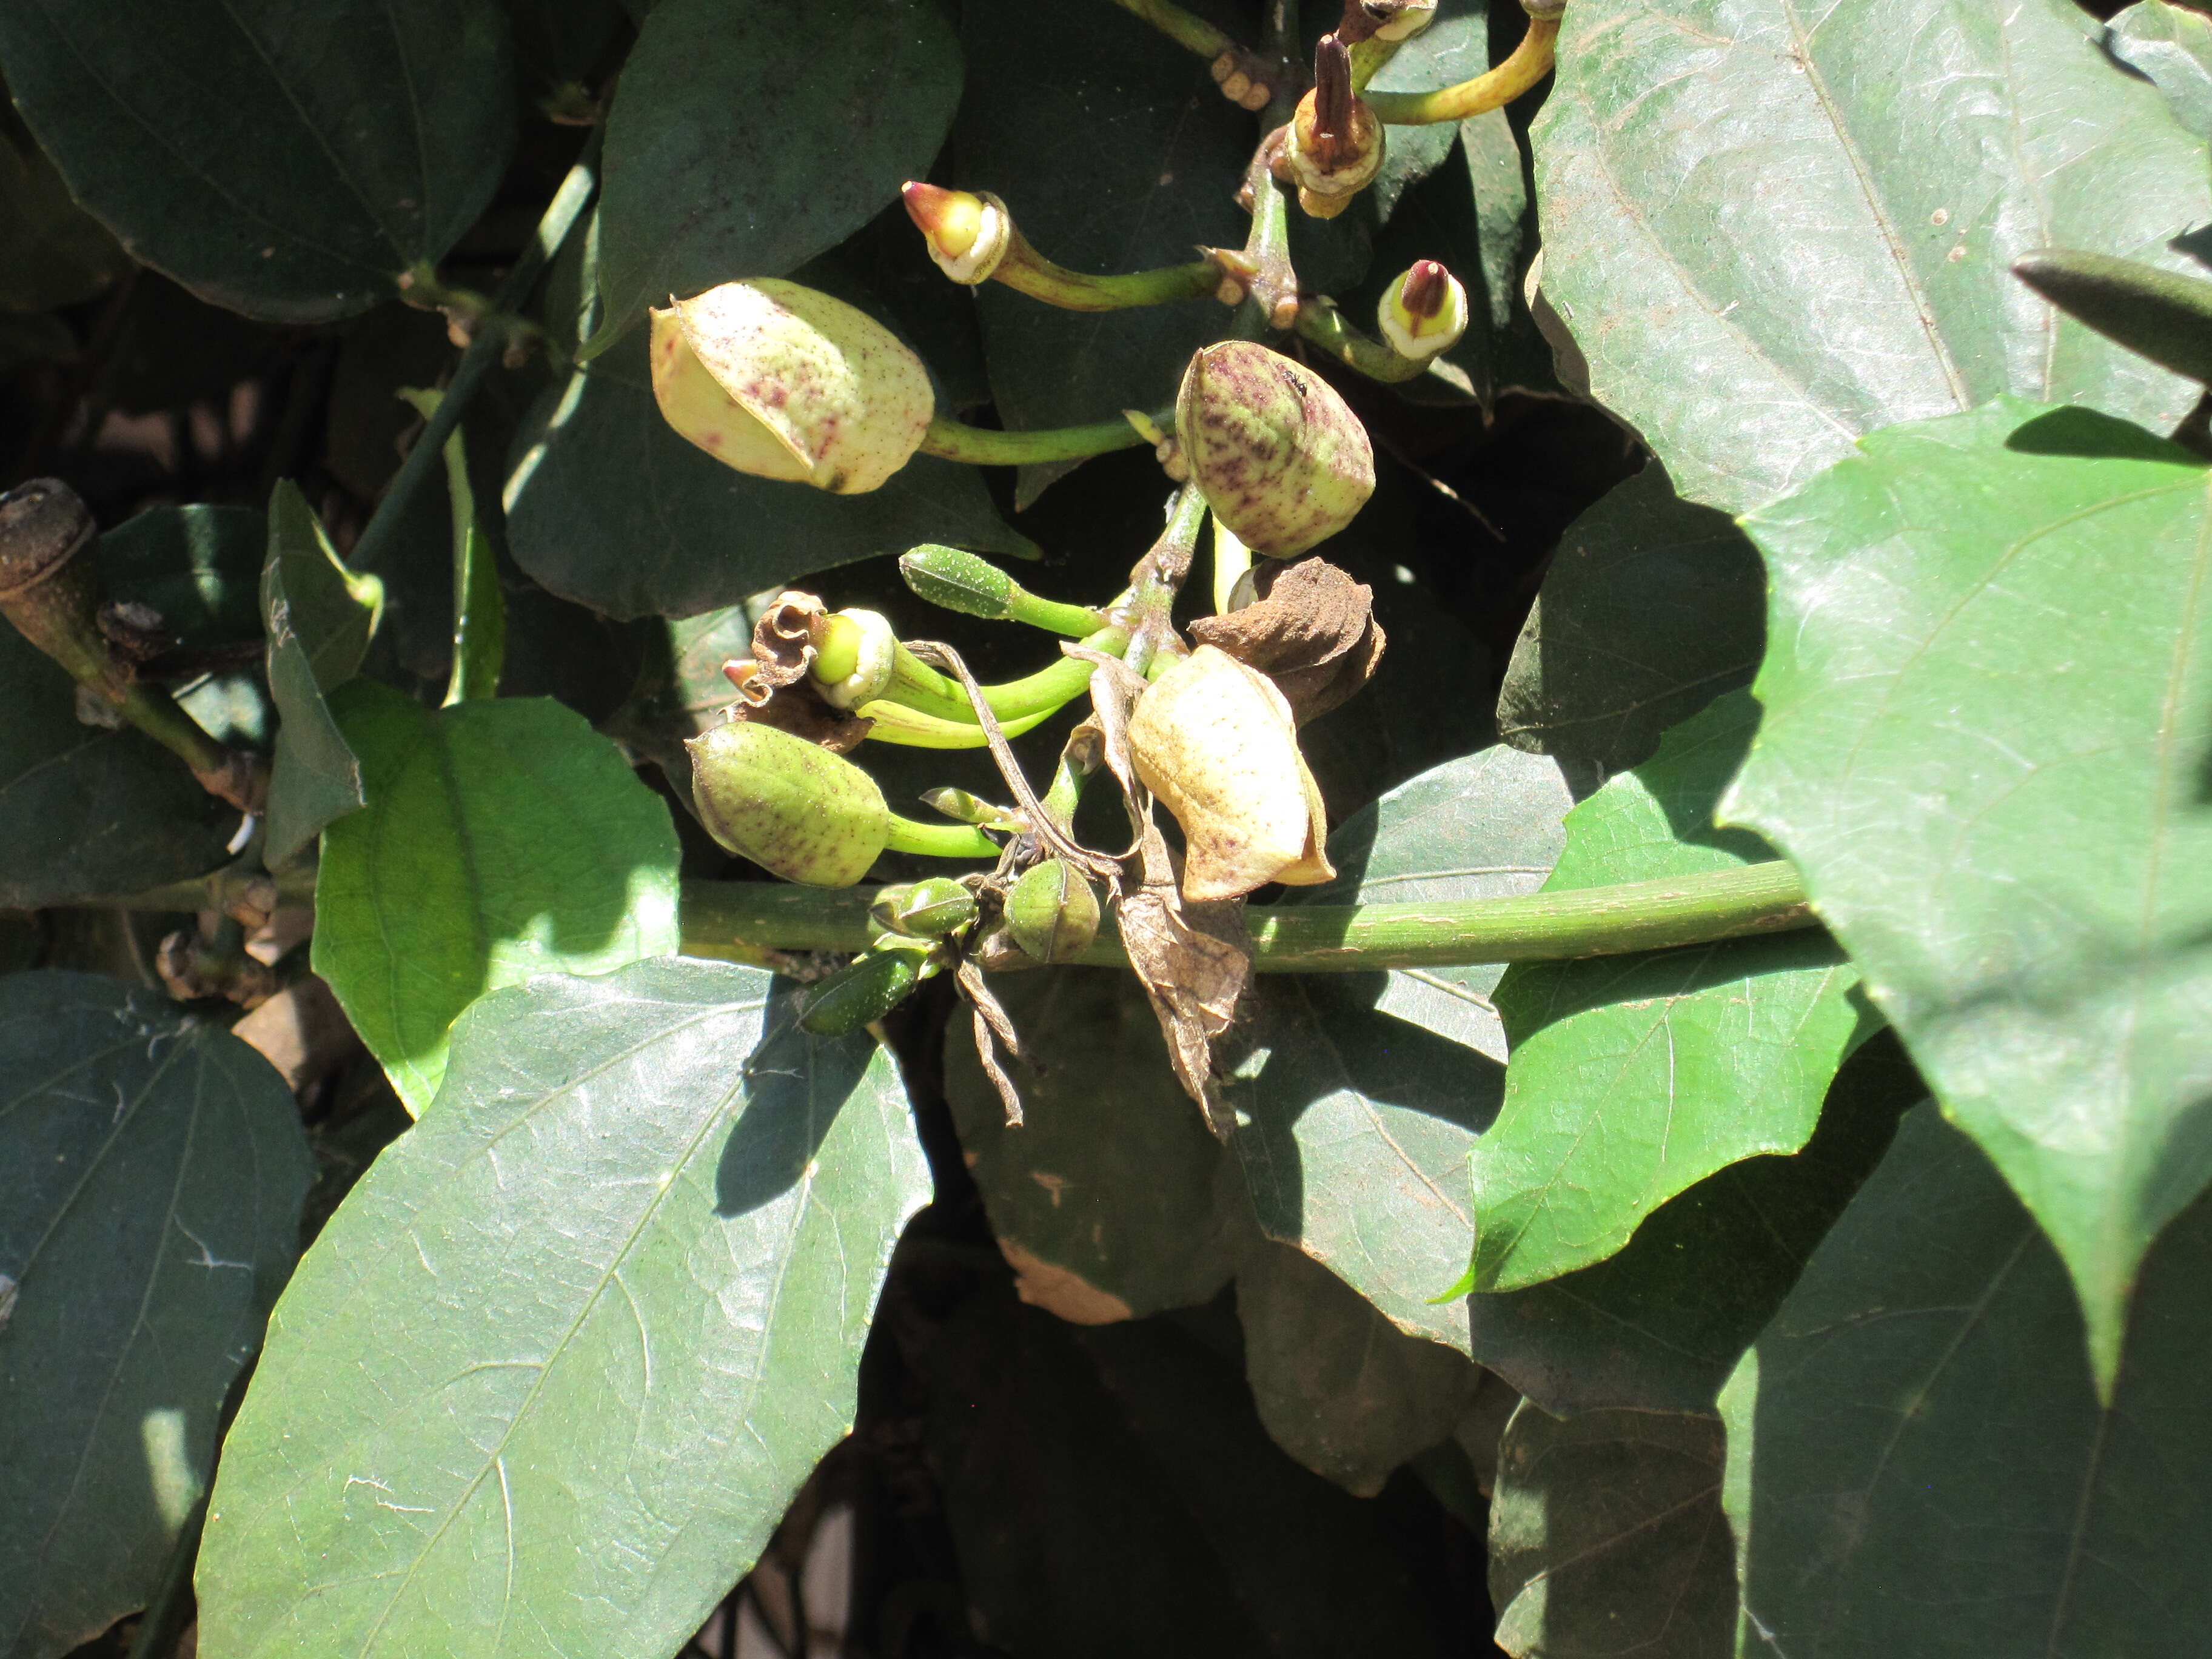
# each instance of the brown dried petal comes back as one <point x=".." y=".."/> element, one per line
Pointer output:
<point x="783" y="639"/>
<point x="1312" y="631"/>
<point x="796" y="709"/>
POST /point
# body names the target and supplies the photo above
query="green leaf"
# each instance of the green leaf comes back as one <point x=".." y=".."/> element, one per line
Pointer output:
<point x="680" y="689"/>
<point x="550" y="1375"/>
<point x="501" y="839"/>
<point x="743" y="146"/>
<point x="1896" y="174"/>
<point x="53" y="253"/>
<point x="86" y="812"/>
<point x="1651" y="607"/>
<point x="319" y="616"/>
<point x="1607" y="1538"/>
<point x="1340" y="1388"/>
<point x="198" y="566"/>
<point x="605" y="505"/>
<point x="1114" y="152"/>
<point x="1659" y="1326"/>
<point x="291" y="173"/>
<point x="1990" y="660"/>
<point x="1109" y="1199"/>
<point x="1633" y="1077"/>
<point x="2173" y="47"/>
<point x="1360" y="1097"/>
<point x="1453" y="48"/>
<point x="152" y="1168"/>
<point x="1918" y="1461"/>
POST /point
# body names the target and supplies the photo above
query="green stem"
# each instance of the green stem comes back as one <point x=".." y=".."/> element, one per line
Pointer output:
<point x="1322" y="322"/>
<point x="1530" y="61"/>
<point x="1075" y="621"/>
<point x="916" y="685"/>
<point x="722" y="917"/>
<point x="484" y="349"/>
<point x="934" y="840"/>
<point x="1158" y="578"/>
<point x="1185" y="28"/>
<point x="976" y="446"/>
<point x="1027" y="272"/>
<point x="479" y="607"/>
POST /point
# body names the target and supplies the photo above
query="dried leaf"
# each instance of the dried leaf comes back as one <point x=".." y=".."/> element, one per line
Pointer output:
<point x="1194" y="961"/>
<point x="1312" y="631"/>
<point x="775" y="688"/>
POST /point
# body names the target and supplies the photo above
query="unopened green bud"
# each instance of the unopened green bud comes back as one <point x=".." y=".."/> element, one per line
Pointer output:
<point x="1424" y="312"/>
<point x="968" y="235"/>
<point x="1282" y="460"/>
<point x="862" y="991"/>
<point x="973" y="809"/>
<point x="1052" y="912"/>
<point x="954" y="579"/>
<point x="789" y="805"/>
<point x="780" y="381"/>
<point x="930" y="909"/>
<point x="856" y="653"/>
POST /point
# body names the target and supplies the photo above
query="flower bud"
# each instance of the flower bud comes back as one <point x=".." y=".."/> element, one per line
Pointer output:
<point x="1424" y="312"/>
<point x="955" y="580"/>
<point x="1052" y="912"/>
<point x="863" y="990"/>
<point x="930" y="909"/>
<point x="1335" y="144"/>
<point x="855" y="653"/>
<point x="1282" y="460"/>
<point x="968" y="235"/>
<point x="782" y="382"/>
<point x="1216" y="742"/>
<point x="789" y="805"/>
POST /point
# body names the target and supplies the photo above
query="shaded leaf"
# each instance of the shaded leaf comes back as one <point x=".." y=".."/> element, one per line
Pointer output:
<point x="608" y="506"/>
<point x="319" y="616"/>
<point x="550" y="1375"/>
<point x="53" y="253"/>
<point x="1454" y="47"/>
<point x="1651" y="607"/>
<point x="273" y="169"/>
<point x="502" y="838"/>
<point x="1917" y="1431"/>
<point x="1109" y="1199"/>
<point x="85" y="811"/>
<point x="1659" y="1326"/>
<point x="1354" y="1128"/>
<point x="200" y="567"/>
<point x="707" y="179"/>
<point x="152" y="1168"/>
<point x="1607" y="1538"/>
<point x="1887" y="179"/>
<point x="1989" y="656"/>
<point x="1115" y="152"/>
<point x="1340" y="1388"/>
<point x="1633" y="1077"/>
<point x="2173" y="46"/>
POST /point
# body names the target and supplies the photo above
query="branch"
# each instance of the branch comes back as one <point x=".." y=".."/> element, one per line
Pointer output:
<point x="734" y="920"/>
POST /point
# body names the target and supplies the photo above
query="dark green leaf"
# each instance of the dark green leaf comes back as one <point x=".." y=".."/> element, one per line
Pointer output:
<point x="319" y="616"/>
<point x="85" y="811"/>
<point x="1340" y="1388"/>
<point x="200" y="567"/>
<point x="680" y="689"/>
<point x="2173" y="46"/>
<point x="1991" y="657"/>
<point x="501" y="839"/>
<point x="152" y="1168"/>
<point x="605" y="505"/>
<point x="53" y="253"/>
<point x="1110" y="1199"/>
<point x="288" y="172"/>
<point x="1115" y="152"/>
<point x="549" y="1377"/>
<point x="1633" y="1077"/>
<point x="743" y="145"/>
<point x="1889" y="178"/>
<point x="1918" y="1461"/>
<point x="1660" y="1325"/>
<point x="1354" y="1127"/>
<point x="1456" y="47"/>
<point x="1607" y="1538"/>
<point x="1651" y="607"/>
